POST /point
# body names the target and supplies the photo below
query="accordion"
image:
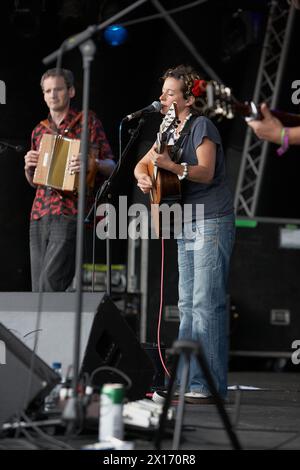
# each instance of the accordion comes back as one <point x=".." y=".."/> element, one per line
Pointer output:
<point x="52" y="168"/>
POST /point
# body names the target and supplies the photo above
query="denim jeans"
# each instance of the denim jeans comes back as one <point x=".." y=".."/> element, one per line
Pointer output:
<point x="203" y="272"/>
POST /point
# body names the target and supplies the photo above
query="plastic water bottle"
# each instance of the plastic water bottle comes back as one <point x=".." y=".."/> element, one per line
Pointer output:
<point x="52" y="400"/>
<point x="111" y="412"/>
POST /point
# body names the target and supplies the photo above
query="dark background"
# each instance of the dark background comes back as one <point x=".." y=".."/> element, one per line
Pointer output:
<point x="227" y="34"/>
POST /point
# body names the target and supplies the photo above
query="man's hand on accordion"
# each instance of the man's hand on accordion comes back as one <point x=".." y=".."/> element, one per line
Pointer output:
<point x="31" y="160"/>
<point x="75" y="164"/>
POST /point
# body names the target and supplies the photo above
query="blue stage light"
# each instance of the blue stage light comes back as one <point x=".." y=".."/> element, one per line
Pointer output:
<point x="115" y="35"/>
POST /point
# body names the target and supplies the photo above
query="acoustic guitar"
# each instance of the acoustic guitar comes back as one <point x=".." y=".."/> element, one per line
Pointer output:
<point x="219" y="102"/>
<point x="165" y="184"/>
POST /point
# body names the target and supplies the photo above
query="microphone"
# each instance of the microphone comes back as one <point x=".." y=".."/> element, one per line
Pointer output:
<point x="17" y="148"/>
<point x="154" y="107"/>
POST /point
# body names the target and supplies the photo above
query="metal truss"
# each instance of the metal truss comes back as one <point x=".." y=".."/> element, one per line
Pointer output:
<point x="267" y="87"/>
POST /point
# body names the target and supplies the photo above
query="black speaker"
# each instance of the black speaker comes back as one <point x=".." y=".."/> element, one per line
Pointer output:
<point x="264" y="289"/>
<point x="21" y="389"/>
<point x="113" y="343"/>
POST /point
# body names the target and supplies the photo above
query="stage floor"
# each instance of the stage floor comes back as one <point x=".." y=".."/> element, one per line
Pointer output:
<point x="267" y="418"/>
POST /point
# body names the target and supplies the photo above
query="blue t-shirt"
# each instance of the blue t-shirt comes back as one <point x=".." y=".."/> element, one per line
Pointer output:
<point x="216" y="196"/>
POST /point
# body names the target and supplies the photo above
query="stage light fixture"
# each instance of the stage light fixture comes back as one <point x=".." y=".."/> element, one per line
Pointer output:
<point x="115" y="35"/>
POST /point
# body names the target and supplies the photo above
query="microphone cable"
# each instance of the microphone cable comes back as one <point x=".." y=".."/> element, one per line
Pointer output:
<point x="161" y="306"/>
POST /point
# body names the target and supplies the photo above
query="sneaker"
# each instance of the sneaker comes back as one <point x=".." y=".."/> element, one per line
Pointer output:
<point x="159" y="396"/>
<point x="198" y="398"/>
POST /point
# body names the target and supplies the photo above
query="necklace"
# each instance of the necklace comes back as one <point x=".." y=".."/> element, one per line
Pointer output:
<point x="181" y="127"/>
<point x="175" y="133"/>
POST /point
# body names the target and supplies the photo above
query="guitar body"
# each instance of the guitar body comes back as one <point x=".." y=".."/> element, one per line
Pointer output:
<point x="165" y="186"/>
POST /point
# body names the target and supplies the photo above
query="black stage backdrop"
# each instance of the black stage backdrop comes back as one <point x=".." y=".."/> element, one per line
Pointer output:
<point x="125" y="79"/>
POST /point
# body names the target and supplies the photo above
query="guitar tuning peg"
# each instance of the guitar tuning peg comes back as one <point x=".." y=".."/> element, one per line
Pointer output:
<point x="219" y="109"/>
<point x="230" y="114"/>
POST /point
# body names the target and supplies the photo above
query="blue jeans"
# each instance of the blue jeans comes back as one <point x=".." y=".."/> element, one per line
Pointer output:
<point x="203" y="272"/>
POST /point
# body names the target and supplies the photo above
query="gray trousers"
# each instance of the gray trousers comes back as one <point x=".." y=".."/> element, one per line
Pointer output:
<point x="52" y="252"/>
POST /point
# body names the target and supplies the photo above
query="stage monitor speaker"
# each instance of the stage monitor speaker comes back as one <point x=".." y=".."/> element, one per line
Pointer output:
<point x="21" y="389"/>
<point x="113" y="343"/>
<point x="264" y="289"/>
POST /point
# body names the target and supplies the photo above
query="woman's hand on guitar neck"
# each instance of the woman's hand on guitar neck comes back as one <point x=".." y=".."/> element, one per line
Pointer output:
<point x="269" y="128"/>
<point x="161" y="160"/>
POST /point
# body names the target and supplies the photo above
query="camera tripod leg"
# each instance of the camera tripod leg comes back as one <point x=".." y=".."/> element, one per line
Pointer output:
<point x="186" y="349"/>
<point x="163" y="416"/>
<point x="180" y="408"/>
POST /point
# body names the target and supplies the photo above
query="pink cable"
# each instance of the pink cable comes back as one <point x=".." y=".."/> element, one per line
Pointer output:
<point x="161" y="305"/>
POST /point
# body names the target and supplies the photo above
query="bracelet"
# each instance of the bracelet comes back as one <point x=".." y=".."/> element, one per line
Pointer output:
<point x="185" y="171"/>
<point x="284" y="137"/>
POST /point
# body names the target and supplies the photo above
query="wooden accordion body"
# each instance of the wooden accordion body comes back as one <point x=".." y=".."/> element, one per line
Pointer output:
<point x="52" y="168"/>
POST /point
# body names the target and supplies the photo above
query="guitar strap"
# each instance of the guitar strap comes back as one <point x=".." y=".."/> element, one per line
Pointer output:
<point x="176" y="149"/>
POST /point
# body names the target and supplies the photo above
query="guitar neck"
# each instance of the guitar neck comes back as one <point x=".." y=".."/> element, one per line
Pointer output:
<point x="160" y="144"/>
<point x="287" y="119"/>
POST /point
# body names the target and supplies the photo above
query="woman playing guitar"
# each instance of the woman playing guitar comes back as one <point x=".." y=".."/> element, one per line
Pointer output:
<point x="205" y="243"/>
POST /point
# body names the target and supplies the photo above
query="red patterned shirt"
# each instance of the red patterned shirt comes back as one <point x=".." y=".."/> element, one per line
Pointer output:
<point x="53" y="201"/>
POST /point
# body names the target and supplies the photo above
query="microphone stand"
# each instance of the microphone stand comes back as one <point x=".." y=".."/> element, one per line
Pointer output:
<point x="5" y="145"/>
<point x="74" y="409"/>
<point x="105" y="194"/>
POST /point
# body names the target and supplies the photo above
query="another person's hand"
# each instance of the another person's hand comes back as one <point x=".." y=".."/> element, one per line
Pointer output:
<point x="144" y="183"/>
<point x="31" y="161"/>
<point x="269" y="128"/>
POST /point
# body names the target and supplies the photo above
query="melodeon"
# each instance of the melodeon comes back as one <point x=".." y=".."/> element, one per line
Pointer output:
<point x="52" y="168"/>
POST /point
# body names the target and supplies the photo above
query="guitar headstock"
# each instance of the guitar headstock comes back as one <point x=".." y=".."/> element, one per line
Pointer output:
<point x="170" y="121"/>
<point x="168" y="125"/>
<point x="219" y="101"/>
